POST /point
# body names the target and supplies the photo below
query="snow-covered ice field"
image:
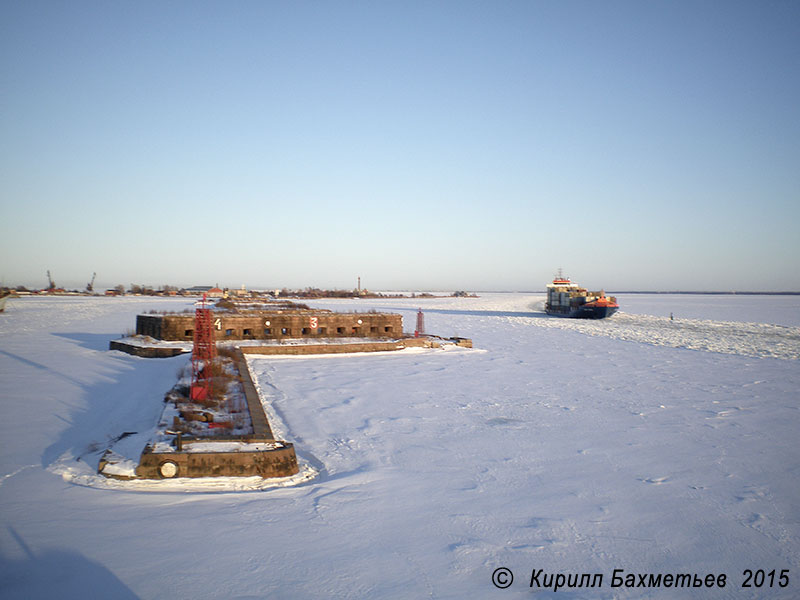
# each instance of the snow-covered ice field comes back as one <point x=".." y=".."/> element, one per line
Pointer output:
<point x="635" y="443"/>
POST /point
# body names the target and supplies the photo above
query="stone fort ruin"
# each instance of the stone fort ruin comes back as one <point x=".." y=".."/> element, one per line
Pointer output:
<point x="232" y="437"/>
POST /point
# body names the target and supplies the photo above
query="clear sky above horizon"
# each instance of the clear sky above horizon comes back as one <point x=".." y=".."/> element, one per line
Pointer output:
<point x="418" y="145"/>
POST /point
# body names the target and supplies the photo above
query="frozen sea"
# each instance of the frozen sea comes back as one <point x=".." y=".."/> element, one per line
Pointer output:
<point x="640" y="443"/>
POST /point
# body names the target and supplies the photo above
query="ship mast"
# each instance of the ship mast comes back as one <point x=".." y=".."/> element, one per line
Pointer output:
<point x="560" y="276"/>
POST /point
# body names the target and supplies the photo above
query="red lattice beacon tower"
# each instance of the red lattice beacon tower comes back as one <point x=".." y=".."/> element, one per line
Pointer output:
<point x="203" y="352"/>
<point x="420" y="330"/>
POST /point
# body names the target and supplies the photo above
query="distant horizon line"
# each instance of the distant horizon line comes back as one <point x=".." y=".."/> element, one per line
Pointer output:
<point x="99" y="290"/>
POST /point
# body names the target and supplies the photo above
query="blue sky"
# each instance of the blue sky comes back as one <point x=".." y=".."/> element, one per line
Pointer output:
<point x="427" y="145"/>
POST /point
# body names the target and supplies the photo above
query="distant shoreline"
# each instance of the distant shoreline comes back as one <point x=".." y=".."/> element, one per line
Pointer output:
<point x="426" y="295"/>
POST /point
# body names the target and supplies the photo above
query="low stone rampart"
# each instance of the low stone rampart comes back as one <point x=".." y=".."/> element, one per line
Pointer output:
<point x="278" y="462"/>
<point x="146" y="351"/>
<point x="257" y="415"/>
<point x="324" y="348"/>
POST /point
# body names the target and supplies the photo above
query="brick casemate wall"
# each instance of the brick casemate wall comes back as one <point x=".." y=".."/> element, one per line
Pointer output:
<point x="265" y="325"/>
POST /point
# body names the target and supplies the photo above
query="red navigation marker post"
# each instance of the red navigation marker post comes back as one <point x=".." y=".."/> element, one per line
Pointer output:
<point x="203" y="352"/>
<point x="420" y="330"/>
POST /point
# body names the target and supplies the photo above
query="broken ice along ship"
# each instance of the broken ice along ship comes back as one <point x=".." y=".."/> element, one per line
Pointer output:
<point x="568" y="299"/>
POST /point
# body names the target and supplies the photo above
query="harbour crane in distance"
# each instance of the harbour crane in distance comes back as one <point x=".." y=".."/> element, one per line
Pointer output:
<point x="50" y="283"/>
<point x="90" y="285"/>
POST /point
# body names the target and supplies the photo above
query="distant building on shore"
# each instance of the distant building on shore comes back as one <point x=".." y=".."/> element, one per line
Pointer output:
<point x="199" y="290"/>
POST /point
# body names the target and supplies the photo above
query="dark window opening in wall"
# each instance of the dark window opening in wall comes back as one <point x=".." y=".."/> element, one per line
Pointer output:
<point x="373" y="330"/>
<point x="340" y="330"/>
<point x="267" y="331"/>
<point x="304" y="331"/>
<point x="247" y="332"/>
<point x="188" y="333"/>
<point x="284" y="331"/>
<point x="322" y="331"/>
<point x="387" y="329"/>
<point x="229" y="332"/>
<point x="355" y="330"/>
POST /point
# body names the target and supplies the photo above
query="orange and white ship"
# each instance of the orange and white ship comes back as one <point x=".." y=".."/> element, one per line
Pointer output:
<point x="568" y="299"/>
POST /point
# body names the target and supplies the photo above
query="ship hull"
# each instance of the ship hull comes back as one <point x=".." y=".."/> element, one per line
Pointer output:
<point x="584" y="312"/>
